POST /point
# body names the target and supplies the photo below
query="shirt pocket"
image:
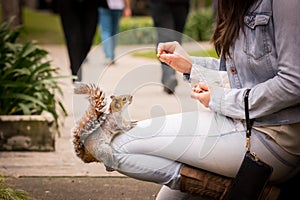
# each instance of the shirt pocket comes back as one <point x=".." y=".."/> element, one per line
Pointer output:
<point x="257" y="40"/>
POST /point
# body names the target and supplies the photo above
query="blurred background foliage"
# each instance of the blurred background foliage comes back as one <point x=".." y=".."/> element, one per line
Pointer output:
<point x="40" y="21"/>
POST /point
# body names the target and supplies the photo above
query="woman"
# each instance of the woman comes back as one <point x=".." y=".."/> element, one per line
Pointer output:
<point x="259" y="46"/>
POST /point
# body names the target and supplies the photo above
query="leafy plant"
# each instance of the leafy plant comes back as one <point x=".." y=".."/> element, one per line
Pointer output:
<point x="7" y="193"/>
<point x="28" y="82"/>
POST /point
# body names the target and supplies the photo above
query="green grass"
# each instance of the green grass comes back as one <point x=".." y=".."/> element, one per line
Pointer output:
<point x="44" y="27"/>
<point x="206" y="53"/>
<point x="135" y="22"/>
<point x="7" y="193"/>
<point x="152" y="55"/>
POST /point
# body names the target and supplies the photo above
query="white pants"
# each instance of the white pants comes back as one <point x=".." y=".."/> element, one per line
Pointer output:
<point x="155" y="149"/>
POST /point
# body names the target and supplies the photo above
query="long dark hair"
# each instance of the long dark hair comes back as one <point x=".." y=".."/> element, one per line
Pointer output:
<point x="229" y="21"/>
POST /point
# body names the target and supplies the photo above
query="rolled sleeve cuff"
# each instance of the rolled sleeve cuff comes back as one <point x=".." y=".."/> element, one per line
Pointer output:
<point x="216" y="98"/>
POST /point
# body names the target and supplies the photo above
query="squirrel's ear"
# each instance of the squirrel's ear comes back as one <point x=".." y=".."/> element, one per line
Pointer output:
<point x="112" y="96"/>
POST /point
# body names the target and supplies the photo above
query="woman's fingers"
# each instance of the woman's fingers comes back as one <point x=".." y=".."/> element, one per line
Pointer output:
<point x="175" y="56"/>
<point x="200" y="87"/>
<point x="167" y="47"/>
<point x="201" y="92"/>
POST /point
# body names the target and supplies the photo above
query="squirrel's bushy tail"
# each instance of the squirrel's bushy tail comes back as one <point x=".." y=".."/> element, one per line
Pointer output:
<point x="92" y="119"/>
<point x="96" y="96"/>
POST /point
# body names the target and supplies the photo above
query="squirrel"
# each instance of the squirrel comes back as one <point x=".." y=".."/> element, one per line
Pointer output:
<point x="94" y="132"/>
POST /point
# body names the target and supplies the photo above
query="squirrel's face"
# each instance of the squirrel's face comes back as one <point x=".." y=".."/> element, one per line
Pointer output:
<point x="118" y="103"/>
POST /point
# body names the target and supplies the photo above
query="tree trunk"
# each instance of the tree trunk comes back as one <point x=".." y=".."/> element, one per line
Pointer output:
<point x="12" y="8"/>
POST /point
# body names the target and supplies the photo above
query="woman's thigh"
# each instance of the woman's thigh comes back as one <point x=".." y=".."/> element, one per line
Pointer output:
<point x="205" y="140"/>
<point x="202" y="139"/>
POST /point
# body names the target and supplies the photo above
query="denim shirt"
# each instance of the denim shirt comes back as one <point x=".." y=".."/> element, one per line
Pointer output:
<point x="266" y="58"/>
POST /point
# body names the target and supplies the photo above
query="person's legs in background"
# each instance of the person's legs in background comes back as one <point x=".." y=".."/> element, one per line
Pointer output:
<point x="89" y="25"/>
<point x="79" y="22"/>
<point x="170" y="16"/>
<point x="106" y="33"/>
<point x="162" y="19"/>
<point x="109" y="23"/>
<point x="116" y="16"/>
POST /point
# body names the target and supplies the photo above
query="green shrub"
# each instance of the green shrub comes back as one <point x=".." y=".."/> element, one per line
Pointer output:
<point x="199" y="27"/>
<point x="28" y="82"/>
<point x="200" y="24"/>
<point x="137" y="30"/>
<point x="135" y="22"/>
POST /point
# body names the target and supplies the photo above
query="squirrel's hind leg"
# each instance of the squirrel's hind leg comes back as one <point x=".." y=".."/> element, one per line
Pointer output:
<point x="104" y="154"/>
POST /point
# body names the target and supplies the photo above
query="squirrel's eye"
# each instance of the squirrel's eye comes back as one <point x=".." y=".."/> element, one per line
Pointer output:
<point x="124" y="99"/>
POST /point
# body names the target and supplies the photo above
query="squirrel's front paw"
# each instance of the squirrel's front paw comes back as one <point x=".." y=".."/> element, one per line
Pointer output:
<point x="134" y="123"/>
<point x="109" y="169"/>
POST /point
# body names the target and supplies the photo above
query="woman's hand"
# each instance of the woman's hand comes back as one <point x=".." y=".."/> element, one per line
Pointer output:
<point x="201" y="93"/>
<point x="175" y="56"/>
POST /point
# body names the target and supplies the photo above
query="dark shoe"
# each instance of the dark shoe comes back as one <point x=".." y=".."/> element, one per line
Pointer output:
<point x="109" y="61"/>
<point x="168" y="91"/>
<point x="171" y="83"/>
<point x="109" y="169"/>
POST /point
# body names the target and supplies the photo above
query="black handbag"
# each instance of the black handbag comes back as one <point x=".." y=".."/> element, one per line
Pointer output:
<point x="253" y="174"/>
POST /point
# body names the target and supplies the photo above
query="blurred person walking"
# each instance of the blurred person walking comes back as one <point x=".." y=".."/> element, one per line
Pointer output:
<point x="110" y="14"/>
<point x="79" y="22"/>
<point x="172" y="15"/>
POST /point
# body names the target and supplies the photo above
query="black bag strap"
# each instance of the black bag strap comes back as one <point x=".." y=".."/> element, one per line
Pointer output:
<point x="247" y="119"/>
<point x="253" y="173"/>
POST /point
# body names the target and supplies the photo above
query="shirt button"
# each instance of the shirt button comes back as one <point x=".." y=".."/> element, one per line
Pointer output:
<point x="233" y="70"/>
